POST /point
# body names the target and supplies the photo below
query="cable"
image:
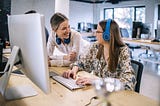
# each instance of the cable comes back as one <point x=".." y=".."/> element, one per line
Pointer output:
<point x="94" y="97"/>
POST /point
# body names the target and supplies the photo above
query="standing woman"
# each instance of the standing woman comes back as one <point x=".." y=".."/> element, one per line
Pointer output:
<point x="109" y="57"/>
<point x="64" y="39"/>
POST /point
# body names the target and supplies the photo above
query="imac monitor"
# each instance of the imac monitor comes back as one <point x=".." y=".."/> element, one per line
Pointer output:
<point x="27" y="39"/>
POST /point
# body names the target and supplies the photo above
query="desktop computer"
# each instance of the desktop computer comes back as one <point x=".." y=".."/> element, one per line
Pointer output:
<point x="28" y="44"/>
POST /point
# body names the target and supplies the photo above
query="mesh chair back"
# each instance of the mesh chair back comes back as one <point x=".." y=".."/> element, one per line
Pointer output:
<point x="138" y="68"/>
<point x="1" y="53"/>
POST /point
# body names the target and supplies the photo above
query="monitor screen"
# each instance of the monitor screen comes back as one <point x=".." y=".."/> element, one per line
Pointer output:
<point x="27" y="32"/>
<point x="136" y="29"/>
<point x="81" y="26"/>
<point x="94" y="26"/>
<point x="158" y="30"/>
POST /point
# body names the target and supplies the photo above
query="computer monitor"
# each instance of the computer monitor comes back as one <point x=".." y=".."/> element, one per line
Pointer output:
<point x="136" y="29"/>
<point x="158" y="30"/>
<point x="28" y="43"/>
<point x="94" y="26"/>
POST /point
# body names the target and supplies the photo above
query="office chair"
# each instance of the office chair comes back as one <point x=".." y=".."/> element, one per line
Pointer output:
<point x="3" y="61"/>
<point x="125" y="34"/>
<point x="138" y="68"/>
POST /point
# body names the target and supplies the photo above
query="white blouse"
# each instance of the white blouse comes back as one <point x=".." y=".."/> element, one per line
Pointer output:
<point x="63" y="49"/>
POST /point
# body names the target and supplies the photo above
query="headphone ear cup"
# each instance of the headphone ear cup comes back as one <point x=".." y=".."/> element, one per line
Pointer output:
<point x="106" y="34"/>
<point x="66" y="41"/>
<point x="58" y="40"/>
<point x="106" y="37"/>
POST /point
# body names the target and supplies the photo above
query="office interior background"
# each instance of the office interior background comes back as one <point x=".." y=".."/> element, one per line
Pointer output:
<point x="93" y="12"/>
<point x="124" y="12"/>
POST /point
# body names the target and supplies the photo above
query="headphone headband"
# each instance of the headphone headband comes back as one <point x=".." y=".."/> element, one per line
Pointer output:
<point x="106" y="34"/>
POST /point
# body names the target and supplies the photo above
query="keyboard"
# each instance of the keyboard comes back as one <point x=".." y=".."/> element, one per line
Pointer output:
<point x="67" y="82"/>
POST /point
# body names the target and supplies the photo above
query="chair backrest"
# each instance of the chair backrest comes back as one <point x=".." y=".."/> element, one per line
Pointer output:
<point x="1" y="54"/>
<point x="124" y="32"/>
<point x="138" y="68"/>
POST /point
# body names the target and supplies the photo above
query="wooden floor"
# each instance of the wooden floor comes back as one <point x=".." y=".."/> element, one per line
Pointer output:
<point x="150" y="82"/>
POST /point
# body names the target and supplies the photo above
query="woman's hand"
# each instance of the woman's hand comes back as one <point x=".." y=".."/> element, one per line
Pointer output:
<point x="84" y="81"/>
<point x="71" y="56"/>
<point x="71" y="73"/>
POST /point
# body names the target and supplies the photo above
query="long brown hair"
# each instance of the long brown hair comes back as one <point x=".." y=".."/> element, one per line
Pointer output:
<point x="115" y="43"/>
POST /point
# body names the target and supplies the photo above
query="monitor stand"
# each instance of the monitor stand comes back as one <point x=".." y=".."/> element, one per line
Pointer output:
<point x="16" y="92"/>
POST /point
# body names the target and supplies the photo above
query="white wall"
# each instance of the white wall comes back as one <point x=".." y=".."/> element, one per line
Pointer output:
<point x="62" y="6"/>
<point x="80" y="12"/>
<point x="45" y="7"/>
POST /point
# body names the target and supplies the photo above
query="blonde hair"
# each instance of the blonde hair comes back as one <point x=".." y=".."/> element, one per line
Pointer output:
<point x="56" y="20"/>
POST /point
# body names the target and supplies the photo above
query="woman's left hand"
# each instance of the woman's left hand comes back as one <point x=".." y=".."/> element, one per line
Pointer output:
<point x="72" y="56"/>
<point x="84" y="81"/>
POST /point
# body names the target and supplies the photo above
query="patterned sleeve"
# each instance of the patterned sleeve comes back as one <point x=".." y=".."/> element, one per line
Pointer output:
<point x="85" y="62"/>
<point x="127" y="76"/>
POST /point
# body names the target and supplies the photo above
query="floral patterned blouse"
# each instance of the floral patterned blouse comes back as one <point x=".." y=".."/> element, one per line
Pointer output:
<point x="124" y="71"/>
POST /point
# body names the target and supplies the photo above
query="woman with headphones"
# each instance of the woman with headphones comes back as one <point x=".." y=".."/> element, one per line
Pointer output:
<point x="67" y="41"/>
<point x="109" y="57"/>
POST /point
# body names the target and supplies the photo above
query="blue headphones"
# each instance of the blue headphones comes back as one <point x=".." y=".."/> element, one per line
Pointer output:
<point x="106" y="34"/>
<point x="66" y="41"/>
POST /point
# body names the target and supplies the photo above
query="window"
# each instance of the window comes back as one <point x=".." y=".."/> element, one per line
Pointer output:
<point x="108" y="13"/>
<point x="125" y="16"/>
<point x="140" y="14"/>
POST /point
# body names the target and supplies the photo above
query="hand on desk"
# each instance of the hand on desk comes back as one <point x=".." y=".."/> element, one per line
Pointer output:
<point x="80" y="80"/>
<point x="69" y="74"/>
<point x="84" y="80"/>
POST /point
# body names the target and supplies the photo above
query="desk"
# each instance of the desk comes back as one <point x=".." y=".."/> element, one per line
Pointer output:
<point x="61" y="96"/>
<point x="141" y="42"/>
<point x="153" y="46"/>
